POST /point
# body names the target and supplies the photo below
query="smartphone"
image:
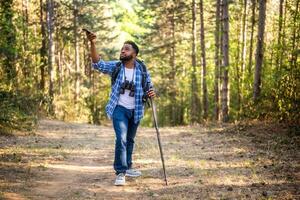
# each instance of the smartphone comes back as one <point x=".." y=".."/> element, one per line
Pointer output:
<point x="84" y="29"/>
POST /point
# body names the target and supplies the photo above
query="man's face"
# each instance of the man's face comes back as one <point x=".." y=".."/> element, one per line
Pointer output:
<point x="127" y="52"/>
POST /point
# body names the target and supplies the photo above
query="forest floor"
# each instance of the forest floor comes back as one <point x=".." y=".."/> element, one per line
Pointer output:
<point x="249" y="160"/>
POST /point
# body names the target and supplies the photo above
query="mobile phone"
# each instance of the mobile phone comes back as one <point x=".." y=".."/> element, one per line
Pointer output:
<point x="84" y="29"/>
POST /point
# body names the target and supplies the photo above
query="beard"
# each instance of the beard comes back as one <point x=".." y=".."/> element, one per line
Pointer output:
<point x="126" y="58"/>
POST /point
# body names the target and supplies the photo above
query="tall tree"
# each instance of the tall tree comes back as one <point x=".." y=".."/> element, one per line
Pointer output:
<point x="238" y="63"/>
<point x="243" y="55"/>
<point x="203" y="56"/>
<point x="259" y="49"/>
<point x="173" y="93"/>
<point x="51" y="56"/>
<point x="195" y="98"/>
<point x="253" y="8"/>
<point x="279" y="38"/>
<point x="295" y="36"/>
<point x="225" y="38"/>
<point x="217" y="62"/>
<point x="76" y="46"/>
<point x="43" y="49"/>
<point x="59" y="53"/>
<point x="25" y="46"/>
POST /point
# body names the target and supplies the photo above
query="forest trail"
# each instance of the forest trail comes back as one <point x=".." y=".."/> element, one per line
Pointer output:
<point x="74" y="161"/>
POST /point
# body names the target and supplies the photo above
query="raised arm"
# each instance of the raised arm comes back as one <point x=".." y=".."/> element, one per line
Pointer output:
<point x="97" y="62"/>
<point x="92" y="38"/>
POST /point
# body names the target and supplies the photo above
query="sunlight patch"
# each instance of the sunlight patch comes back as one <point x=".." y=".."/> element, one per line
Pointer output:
<point x="79" y="167"/>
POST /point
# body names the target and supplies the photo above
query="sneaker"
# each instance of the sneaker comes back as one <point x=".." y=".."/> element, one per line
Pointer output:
<point x="120" y="179"/>
<point x="133" y="173"/>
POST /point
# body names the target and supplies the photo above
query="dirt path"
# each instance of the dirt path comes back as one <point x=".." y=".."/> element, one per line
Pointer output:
<point x="74" y="161"/>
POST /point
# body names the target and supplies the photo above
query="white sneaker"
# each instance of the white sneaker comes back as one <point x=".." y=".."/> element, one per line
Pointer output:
<point x="133" y="173"/>
<point x="120" y="179"/>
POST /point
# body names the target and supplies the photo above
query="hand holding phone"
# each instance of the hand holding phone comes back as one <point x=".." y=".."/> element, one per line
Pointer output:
<point x="91" y="36"/>
<point x="87" y="31"/>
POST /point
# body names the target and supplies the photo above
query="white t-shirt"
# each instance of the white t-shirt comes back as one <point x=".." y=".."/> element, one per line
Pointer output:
<point x="126" y="100"/>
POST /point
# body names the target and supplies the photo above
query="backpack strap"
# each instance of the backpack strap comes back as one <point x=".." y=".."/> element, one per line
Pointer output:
<point x="145" y="84"/>
<point x="117" y="69"/>
<point x="115" y="73"/>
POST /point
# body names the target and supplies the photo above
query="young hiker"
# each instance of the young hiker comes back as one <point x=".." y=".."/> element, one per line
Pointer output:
<point x="131" y="86"/>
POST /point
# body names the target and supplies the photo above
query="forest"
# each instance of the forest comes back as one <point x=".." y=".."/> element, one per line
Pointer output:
<point x="227" y="75"/>
<point x="209" y="60"/>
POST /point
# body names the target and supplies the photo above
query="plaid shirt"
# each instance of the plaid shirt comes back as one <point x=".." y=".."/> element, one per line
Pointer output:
<point x="107" y="67"/>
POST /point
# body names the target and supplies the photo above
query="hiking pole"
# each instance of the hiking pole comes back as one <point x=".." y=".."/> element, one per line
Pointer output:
<point x="158" y="138"/>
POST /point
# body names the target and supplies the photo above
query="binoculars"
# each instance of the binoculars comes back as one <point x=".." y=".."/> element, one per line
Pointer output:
<point x="126" y="85"/>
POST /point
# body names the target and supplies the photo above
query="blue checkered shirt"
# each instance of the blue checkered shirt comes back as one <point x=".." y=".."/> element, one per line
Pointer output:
<point x="107" y="67"/>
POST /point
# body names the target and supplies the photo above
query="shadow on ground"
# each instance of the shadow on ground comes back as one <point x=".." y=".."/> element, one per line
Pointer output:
<point x="74" y="161"/>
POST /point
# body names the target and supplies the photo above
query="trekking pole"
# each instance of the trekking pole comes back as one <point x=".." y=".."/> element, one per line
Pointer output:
<point x="158" y="138"/>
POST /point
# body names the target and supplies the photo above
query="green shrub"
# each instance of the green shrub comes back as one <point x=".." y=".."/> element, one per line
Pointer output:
<point x="18" y="111"/>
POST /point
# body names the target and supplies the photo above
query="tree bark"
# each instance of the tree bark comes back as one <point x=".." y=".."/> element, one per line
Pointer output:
<point x="279" y="39"/>
<point x="259" y="50"/>
<point x="25" y="57"/>
<point x="43" y="50"/>
<point x="51" y="56"/>
<point x="238" y="63"/>
<point x="243" y="56"/>
<point x="217" y="63"/>
<point x="194" y="106"/>
<point x="283" y="53"/>
<point x="203" y="56"/>
<point x="294" y="53"/>
<point x="253" y="8"/>
<point x="225" y="38"/>
<point x="59" y="63"/>
<point x="174" y="106"/>
<point x="76" y="46"/>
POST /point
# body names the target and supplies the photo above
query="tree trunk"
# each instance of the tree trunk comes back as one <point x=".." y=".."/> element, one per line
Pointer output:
<point x="195" y="99"/>
<point x="59" y="63"/>
<point x="25" y="57"/>
<point x="43" y="50"/>
<point x="283" y="38"/>
<point x="243" y="56"/>
<point x="174" y="106"/>
<point x="279" y="39"/>
<point x="217" y="62"/>
<point x="203" y="56"/>
<point x="51" y="57"/>
<point x="259" y="50"/>
<point x="294" y="51"/>
<point x="251" y="37"/>
<point x="225" y="38"/>
<point x="76" y="46"/>
<point x="36" y="59"/>
<point x="237" y="67"/>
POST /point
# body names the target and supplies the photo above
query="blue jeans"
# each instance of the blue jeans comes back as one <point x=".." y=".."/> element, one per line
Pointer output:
<point x="125" y="130"/>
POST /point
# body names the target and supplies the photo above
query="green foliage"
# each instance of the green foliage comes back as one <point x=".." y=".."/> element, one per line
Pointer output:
<point x="18" y="111"/>
<point x="288" y="98"/>
<point x="7" y="41"/>
<point x="163" y="30"/>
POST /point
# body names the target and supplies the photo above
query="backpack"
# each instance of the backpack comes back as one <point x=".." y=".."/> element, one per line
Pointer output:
<point x="145" y="85"/>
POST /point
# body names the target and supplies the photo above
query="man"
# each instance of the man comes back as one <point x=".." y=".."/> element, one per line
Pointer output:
<point x="125" y="106"/>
